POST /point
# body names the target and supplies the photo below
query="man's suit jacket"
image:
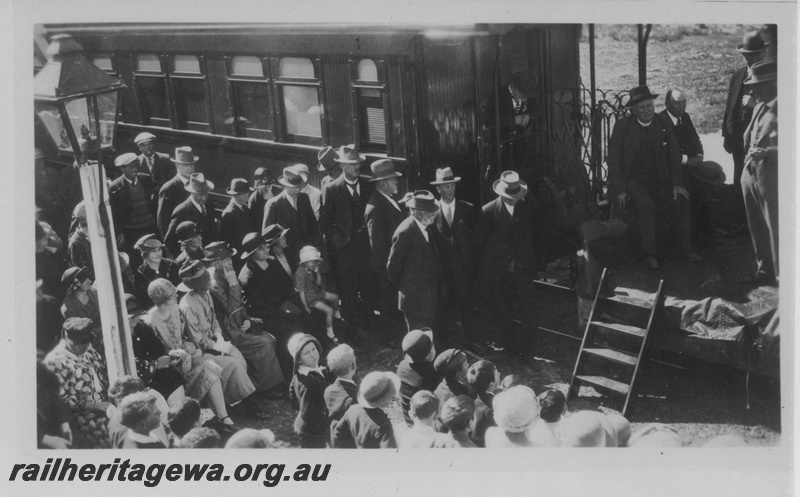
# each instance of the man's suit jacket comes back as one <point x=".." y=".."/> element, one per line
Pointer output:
<point x="499" y="240"/>
<point x="382" y="221"/>
<point x="303" y="227"/>
<point x="120" y="199"/>
<point x="163" y="169"/>
<point x="622" y="154"/>
<point x="336" y="215"/>
<point x="685" y="134"/>
<point x="458" y="247"/>
<point x="236" y="223"/>
<point x="735" y="120"/>
<point x="415" y="266"/>
<point x="265" y="290"/>
<point x="187" y="211"/>
<point x="763" y="133"/>
<point x="171" y="194"/>
<point x="256" y="204"/>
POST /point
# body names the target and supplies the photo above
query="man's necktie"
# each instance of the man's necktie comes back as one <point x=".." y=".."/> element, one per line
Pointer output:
<point x="355" y="191"/>
<point x="448" y="215"/>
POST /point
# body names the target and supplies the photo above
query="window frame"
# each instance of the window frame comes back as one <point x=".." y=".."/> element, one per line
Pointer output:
<point x="173" y="77"/>
<point x="267" y="81"/>
<point x="164" y="77"/>
<point x="383" y="86"/>
<point x="279" y="82"/>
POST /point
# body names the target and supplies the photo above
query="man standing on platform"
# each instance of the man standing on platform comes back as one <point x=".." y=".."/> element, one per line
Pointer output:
<point x="155" y="164"/>
<point x="174" y="191"/>
<point x="132" y="206"/>
<point x="236" y="219"/>
<point x="193" y="209"/>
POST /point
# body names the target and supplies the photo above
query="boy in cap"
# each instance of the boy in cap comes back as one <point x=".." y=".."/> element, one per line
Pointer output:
<point x="416" y="370"/>
<point x="545" y="431"/>
<point x="424" y="411"/>
<point x="155" y="164"/>
<point x="341" y="394"/>
<point x="246" y="334"/>
<point x="458" y="415"/>
<point x="307" y="391"/>
<point x="365" y="425"/>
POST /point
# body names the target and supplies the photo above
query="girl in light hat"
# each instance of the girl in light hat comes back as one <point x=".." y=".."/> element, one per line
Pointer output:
<point x="308" y="283"/>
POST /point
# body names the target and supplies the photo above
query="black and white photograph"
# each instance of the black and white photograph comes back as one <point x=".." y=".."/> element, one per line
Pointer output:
<point x="541" y="225"/>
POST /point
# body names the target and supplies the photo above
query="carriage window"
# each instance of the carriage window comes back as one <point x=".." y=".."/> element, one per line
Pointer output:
<point x="151" y="90"/>
<point x="103" y="61"/>
<point x="250" y="98"/>
<point x="189" y="91"/>
<point x="369" y="105"/>
<point x="299" y="91"/>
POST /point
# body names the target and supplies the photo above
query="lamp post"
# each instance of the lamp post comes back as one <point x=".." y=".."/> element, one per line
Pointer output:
<point x="76" y="103"/>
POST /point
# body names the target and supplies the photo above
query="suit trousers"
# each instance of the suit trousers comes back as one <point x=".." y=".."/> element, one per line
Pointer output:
<point x="653" y="205"/>
<point x="514" y="293"/>
<point x="417" y="322"/>
<point x="356" y="281"/>
<point x="760" y="189"/>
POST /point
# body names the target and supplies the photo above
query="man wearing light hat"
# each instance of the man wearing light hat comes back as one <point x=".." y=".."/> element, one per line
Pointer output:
<point x="455" y="221"/>
<point x="155" y="164"/>
<point x="644" y="167"/>
<point x="760" y="175"/>
<point x="738" y="112"/>
<point x="174" y="191"/>
<point x="342" y="223"/>
<point x="133" y="205"/>
<point x="236" y="219"/>
<point x="193" y="209"/>
<point x="507" y="262"/>
<point x="292" y="210"/>
<point x="383" y="214"/>
<point x="415" y="264"/>
<point x="699" y="176"/>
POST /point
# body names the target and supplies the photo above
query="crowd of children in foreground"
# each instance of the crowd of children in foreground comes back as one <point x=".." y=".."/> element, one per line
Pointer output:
<point x="446" y="403"/>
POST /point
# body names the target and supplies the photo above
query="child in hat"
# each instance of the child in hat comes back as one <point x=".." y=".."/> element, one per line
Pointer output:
<point x="341" y="394"/>
<point x="458" y="415"/>
<point x="307" y="391"/>
<point x="308" y="283"/>
<point x="365" y="425"/>
<point x="416" y="370"/>
<point x="424" y="411"/>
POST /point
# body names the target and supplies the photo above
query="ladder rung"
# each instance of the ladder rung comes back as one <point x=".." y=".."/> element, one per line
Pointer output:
<point x="602" y="381"/>
<point x="615" y="300"/>
<point x="622" y="328"/>
<point x="613" y="355"/>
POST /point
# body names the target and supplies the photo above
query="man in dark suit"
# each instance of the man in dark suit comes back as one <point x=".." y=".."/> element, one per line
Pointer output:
<point x="455" y="221"/>
<point x="193" y="209"/>
<point x="292" y="210"/>
<point x="174" y="191"/>
<point x="415" y="264"/>
<point x="155" y="164"/>
<point x="236" y="219"/>
<point x="342" y="223"/>
<point x="738" y="112"/>
<point x="691" y="148"/>
<point x="644" y="166"/>
<point x="132" y="207"/>
<point x="760" y="176"/>
<point x="507" y="265"/>
<point x="383" y="215"/>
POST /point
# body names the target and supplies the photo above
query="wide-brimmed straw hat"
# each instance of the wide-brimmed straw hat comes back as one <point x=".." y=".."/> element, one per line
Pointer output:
<point x="510" y="186"/>
<point x="198" y="184"/>
<point x="445" y="176"/>
<point x="184" y="155"/>
<point x="348" y="154"/>
<point x="378" y="389"/>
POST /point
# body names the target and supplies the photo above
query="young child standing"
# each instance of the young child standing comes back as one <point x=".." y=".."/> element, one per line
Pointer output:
<point x="307" y="391"/>
<point x="341" y="394"/>
<point x="308" y="283"/>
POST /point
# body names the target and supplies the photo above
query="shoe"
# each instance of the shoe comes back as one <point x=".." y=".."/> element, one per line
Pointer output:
<point x="333" y="339"/>
<point x="652" y="262"/>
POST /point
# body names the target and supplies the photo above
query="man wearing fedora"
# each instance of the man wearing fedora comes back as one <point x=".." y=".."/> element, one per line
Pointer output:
<point x="644" y="167"/>
<point x="700" y="177"/>
<point x="342" y="223"/>
<point x="132" y="205"/>
<point x="174" y="191"/>
<point x="383" y="214"/>
<point x="236" y="219"/>
<point x="760" y="175"/>
<point x="455" y="221"/>
<point x="256" y="345"/>
<point x="738" y="112"/>
<point x="265" y="189"/>
<point x="415" y="265"/>
<point x="155" y="164"/>
<point x="193" y="209"/>
<point x="292" y="209"/>
<point x="326" y="163"/>
<point x="507" y="262"/>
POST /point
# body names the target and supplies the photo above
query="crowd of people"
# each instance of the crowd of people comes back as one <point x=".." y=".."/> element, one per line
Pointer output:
<point x="227" y="310"/>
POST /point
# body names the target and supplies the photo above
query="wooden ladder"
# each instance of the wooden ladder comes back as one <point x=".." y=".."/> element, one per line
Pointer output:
<point x="613" y="345"/>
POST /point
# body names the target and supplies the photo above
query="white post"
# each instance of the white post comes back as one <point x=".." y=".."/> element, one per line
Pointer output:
<point x="108" y="280"/>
